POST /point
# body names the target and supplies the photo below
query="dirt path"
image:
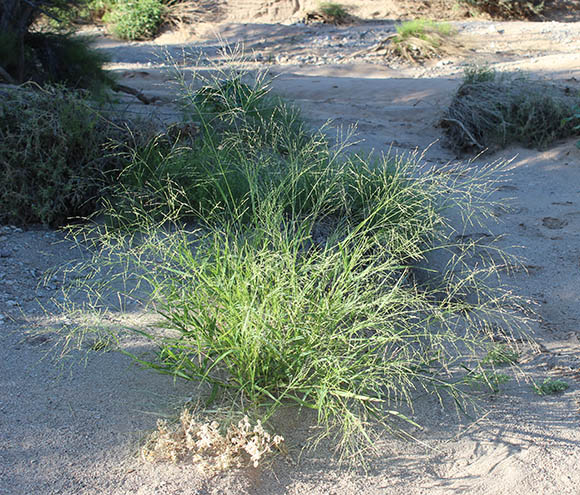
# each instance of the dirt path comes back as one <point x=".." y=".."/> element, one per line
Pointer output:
<point x="75" y="431"/>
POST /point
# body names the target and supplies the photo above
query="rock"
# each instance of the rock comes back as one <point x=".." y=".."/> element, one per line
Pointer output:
<point x="5" y="253"/>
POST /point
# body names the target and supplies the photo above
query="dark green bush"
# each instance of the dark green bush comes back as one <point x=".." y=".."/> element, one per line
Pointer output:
<point x="136" y="19"/>
<point x="27" y="53"/>
<point x="52" y="161"/>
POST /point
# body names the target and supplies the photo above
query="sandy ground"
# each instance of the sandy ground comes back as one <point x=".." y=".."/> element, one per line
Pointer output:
<point x="75" y="430"/>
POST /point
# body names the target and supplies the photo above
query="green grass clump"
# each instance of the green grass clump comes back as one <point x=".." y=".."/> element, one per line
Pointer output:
<point x="492" y="110"/>
<point x="297" y="283"/>
<point x="329" y="13"/>
<point x="335" y="12"/>
<point x="506" y="8"/>
<point x="500" y="355"/>
<point x="550" y="386"/>
<point x="136" y="19"/>
<point x="422" y="28"/>
<point x="422" y="39"/>
<point x="478" y="74"/>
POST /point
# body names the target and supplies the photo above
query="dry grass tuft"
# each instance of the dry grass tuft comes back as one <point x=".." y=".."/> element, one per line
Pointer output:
<point x="205" y="444"/>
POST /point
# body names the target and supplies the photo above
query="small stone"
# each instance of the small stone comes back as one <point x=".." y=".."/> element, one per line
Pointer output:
<point x="5" y="253"/>
<point x="11" y="303"/>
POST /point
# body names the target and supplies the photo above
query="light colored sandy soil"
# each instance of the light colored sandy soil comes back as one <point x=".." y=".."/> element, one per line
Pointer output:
<point x="75" y="431"/>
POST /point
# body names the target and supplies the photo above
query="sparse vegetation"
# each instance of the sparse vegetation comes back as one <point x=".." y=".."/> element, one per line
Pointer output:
<point x="500" y="355"/>
<point x="423" y="39"/>
<point x="506" y="8"/>
<point x="330" y="13"/>
<point x="550" y="386"/>
<point x="418" y="40"/>
<point x="494" y="110"/>
<point x="295" y="285"/>
<point x="490" y="380"/>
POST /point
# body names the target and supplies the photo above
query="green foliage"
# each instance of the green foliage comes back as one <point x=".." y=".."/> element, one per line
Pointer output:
<point x="500" y="355"/>
<point x="52" y="162"/>
<point x="423" y="29"/>
<point x="574" y="119"/>
<point x="488" y="379"/>
<point x="506" y="8"/>
<point x="48" y="57"/>
<point x="422" y="39"/>
<point x="494" y="110"/>
<point x="478" y="74"/>
<point x="136" y="19"/>
<point x="297" y="282"/>
<point x="335" y="12"/>
<point x="64" y="59"/>
<point x="550" y="386"/>
<point x="83" y="11"/>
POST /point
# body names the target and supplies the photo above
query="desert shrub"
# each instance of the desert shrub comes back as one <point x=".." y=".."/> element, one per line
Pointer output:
<point x="52" y="161"/>
<point x="136" y="19"/>
<point x="329" y="12"/>
<point x="296" y="284"/>
<point x="493" y="110"/>
<point x="422" y="39"/>
<point x="506" y="8"/>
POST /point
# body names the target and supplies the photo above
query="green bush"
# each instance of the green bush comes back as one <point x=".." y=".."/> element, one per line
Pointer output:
<point x="136" y="19"/>
<point x="52" y="162"/>
<point x="297" y="283"/>
<point x="494" y="110"/>
<point x="506" y="8"/>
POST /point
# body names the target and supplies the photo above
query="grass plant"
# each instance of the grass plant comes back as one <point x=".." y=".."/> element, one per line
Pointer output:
<point x="296" y="282"/>
<point x="493" y="110"/>
<point x="329" y="13"/>
<point x="422" y="39"/>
